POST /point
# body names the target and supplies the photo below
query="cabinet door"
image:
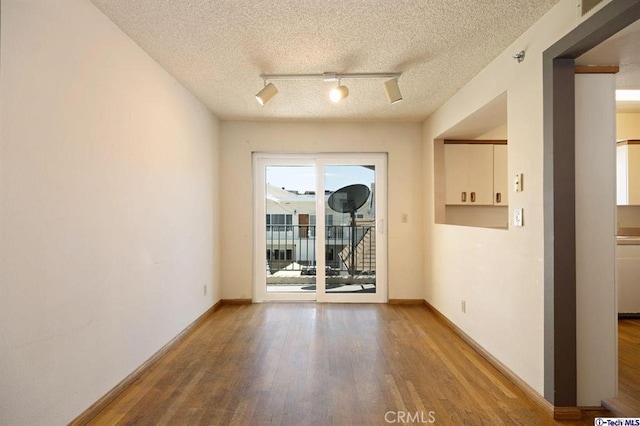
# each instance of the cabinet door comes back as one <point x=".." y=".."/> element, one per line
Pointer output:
<point x="480" y="167"/>
<point x="633" y="172"/>
<point x="500" y="176"/>
<point x="456" y="174"/>
<point x="622" y="175"/>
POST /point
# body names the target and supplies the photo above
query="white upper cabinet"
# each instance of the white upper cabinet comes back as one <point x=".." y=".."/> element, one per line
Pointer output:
<point x="628" y="172"/>
<point x="475" y="173"/>
<point x="500" y="176"/>
<point x="456" y="160"/>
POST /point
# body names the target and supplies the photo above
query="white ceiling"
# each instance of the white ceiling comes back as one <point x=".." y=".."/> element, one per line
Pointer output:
<point x="218" y="48"/>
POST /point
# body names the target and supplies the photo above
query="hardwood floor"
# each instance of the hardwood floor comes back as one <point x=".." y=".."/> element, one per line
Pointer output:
<point x="627" y="403"/>
<point x="307" y="363"/>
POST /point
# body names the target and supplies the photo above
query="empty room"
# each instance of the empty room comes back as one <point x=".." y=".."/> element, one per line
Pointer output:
<point x="302" y="212"/>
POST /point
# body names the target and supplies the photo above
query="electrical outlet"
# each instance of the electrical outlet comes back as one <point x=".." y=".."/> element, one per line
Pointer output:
<point x="463" y="306"/>
<point x="204" y="289"/>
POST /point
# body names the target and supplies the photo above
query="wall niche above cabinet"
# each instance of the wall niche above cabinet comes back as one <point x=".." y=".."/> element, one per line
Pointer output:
<point x="470" y="159"/>
<point x="472" y="182"/>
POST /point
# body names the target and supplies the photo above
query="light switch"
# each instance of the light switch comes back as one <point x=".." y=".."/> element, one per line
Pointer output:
<point x="517" y="217"/>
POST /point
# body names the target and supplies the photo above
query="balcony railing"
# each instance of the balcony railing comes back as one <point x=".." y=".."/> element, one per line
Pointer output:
<point x="293" y="248"/>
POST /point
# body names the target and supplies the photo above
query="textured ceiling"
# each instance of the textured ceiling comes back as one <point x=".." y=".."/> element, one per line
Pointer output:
<point x="218" y="48"/>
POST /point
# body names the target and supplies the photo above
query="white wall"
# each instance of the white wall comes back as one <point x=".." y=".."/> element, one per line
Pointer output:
<point x="108" y="214"/>
<point x="596" y="312"/>
<point x="402" y="142"/>
<point x="500" y="274"/>
<point x="499" y="133"/>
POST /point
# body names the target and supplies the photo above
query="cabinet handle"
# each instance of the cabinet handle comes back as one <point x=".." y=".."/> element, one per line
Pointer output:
<point x="498" y="197"/>
<point x="473" y="197"/>
<point x="463" y="197"/>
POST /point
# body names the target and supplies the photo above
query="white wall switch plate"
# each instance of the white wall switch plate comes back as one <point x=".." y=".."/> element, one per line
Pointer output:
<point x="517" y="183"/>
<point x="517" y="217"/>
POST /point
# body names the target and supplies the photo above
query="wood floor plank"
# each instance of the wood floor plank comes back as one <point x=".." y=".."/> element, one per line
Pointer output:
<point x="627" y="403"/>
<point x="307" y="363"/>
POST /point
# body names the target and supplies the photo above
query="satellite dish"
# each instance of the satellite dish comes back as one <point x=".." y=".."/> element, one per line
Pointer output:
<point x="349" y="198"/>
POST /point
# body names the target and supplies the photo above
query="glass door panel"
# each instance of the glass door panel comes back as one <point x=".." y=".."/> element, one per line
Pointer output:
<point x="350" y="220"/>
<point x="284" y="242"/>
<point x="290" y="248"/>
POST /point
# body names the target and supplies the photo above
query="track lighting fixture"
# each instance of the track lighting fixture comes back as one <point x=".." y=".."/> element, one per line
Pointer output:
<point x="337" y="93"/>
<point x="267" y="92"/>
<point x="393" y="91"/>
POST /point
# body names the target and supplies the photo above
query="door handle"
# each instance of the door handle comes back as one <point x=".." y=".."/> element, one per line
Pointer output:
<point x="498" y="197"/>
<point x="463" y="197"/>
<point x="473" y="197"/>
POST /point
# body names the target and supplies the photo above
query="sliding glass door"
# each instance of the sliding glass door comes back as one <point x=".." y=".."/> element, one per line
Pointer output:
<point x="319" y="228"/>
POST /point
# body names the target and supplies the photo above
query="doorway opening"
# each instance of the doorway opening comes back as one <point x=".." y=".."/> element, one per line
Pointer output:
<point x="319" y="227"/>
<point x="563" y="386"/>
<point x="625" y="208"/>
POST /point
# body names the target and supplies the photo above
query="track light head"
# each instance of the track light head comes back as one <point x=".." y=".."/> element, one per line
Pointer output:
<point x="393" y="90"/>
<point x="338" y="93"/>
<point x="267" y="92"/>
